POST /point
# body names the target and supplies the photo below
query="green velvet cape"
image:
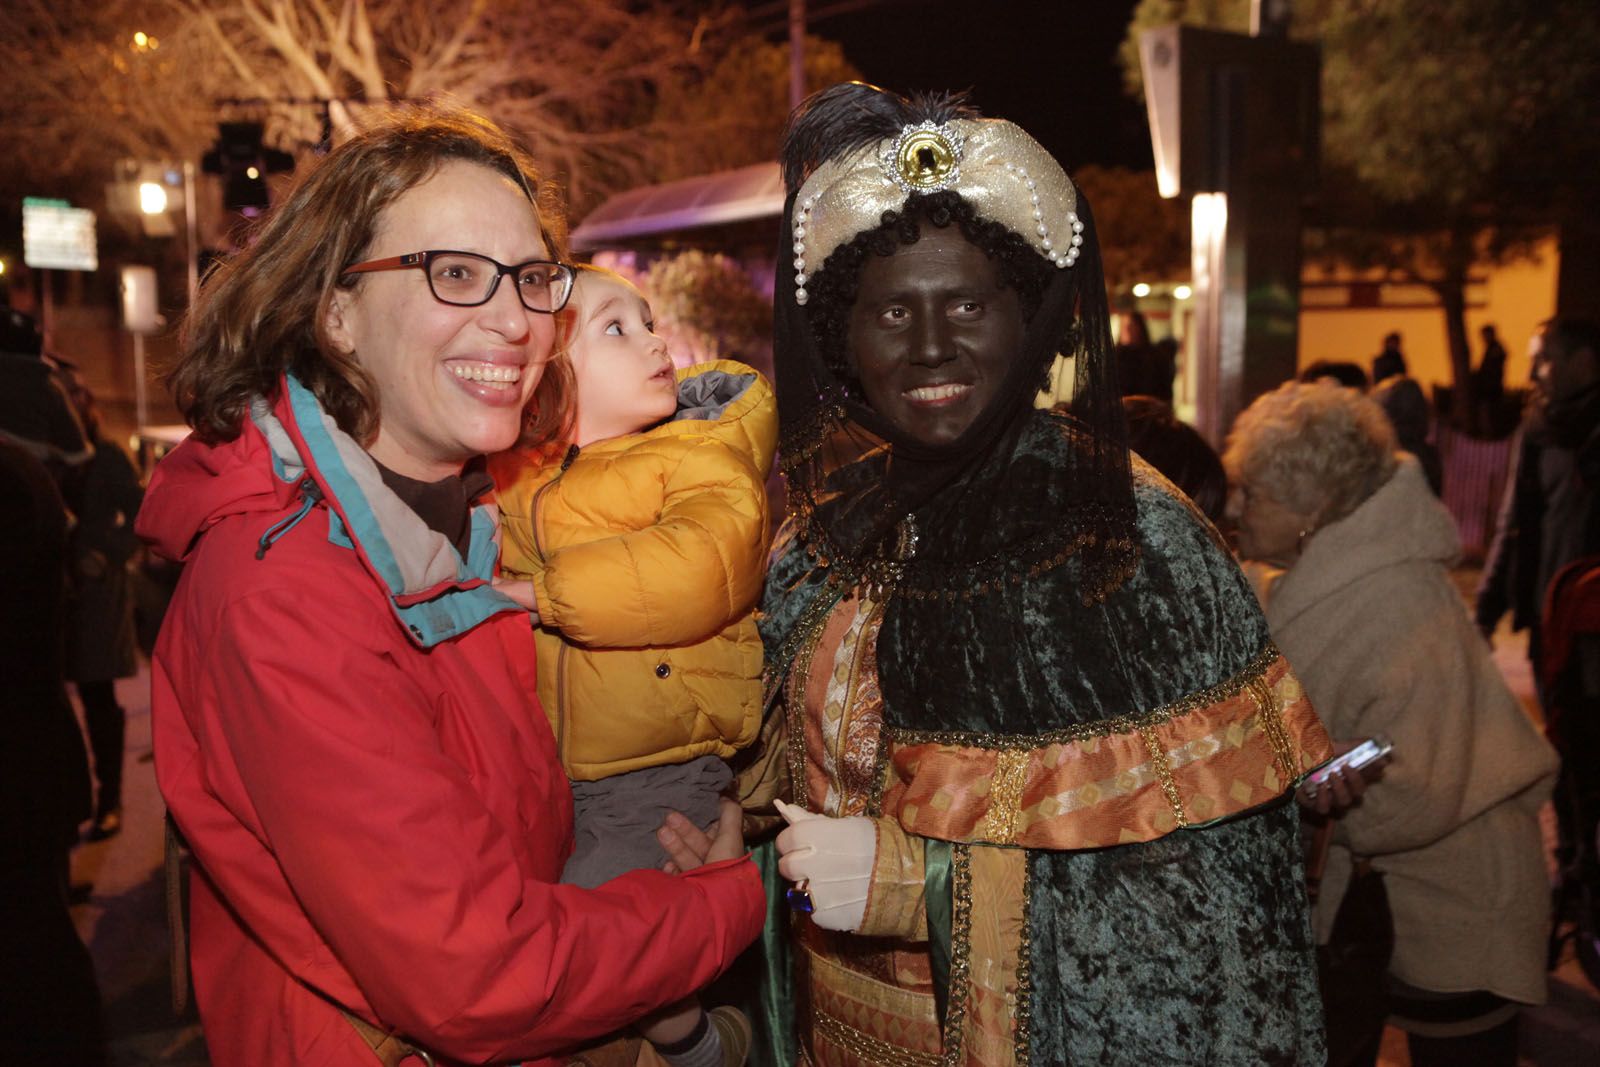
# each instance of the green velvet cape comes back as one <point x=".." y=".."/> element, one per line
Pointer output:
<point x="1194" y="948"/>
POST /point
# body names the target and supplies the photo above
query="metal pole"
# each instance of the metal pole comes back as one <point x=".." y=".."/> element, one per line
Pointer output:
<point x="797" y="52"/>
<point x="191" y="229"/>
<point x="139" y="404"/>
<point x="47" y="307"/>
<point x="1208" y="243"/>
<point x="1269" y="18"/>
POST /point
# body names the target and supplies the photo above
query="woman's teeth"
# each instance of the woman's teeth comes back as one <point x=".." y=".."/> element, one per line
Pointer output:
<point x="486" y="372"/>
<point x="937" y="392"/>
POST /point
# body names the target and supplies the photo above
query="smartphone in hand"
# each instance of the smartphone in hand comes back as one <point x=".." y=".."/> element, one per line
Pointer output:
<point x="1365" y="754"/>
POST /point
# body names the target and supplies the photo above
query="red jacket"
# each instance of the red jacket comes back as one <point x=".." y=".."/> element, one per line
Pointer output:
<point x="346" y="732"/>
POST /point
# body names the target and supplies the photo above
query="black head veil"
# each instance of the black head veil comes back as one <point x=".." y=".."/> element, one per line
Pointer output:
<point x="927" y="523"/>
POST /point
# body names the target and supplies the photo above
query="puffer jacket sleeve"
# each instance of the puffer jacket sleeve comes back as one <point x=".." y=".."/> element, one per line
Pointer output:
<point x="383" y="842"/>
<point x="678" y="581"/>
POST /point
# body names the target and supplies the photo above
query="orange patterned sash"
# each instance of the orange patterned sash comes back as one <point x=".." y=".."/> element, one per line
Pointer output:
<point x="1216" y="753"/>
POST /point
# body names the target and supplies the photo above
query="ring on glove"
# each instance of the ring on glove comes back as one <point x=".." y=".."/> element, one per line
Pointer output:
<point x="799" y="897"/>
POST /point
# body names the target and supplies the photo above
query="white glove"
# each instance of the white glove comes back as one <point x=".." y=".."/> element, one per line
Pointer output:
<point x="833" y="859"/>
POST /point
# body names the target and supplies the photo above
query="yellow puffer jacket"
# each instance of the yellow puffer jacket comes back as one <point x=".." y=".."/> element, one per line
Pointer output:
<point x="647" y="555"/>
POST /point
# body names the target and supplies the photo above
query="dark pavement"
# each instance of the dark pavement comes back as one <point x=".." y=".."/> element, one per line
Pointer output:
<point x="124" y="921"/>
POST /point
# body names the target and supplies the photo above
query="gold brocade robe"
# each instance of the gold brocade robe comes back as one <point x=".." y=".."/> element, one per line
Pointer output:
<point x="867" y="998"/>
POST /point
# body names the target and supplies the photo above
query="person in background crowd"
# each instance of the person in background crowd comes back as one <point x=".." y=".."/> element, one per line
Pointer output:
<point x="1391" y="362"/>
<point x="1551" y="512"/>
<point x="49" y="1006"/>
<point x="35" y="413"/>
<point x="988" y="626"/>
<point x="1411" y="416"/>
<point x="345" y="724"/>
<point x="1488" y="381"/>
<point x="100" y="631"/>
<point x="1143" y="368"/>
<point x="1361" y="602"/>
<point x="1350" y="375"/>
<point x="1177" y="450"/>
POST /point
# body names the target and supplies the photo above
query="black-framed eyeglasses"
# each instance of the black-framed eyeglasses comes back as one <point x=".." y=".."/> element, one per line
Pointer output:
<point x="467" y="279"/>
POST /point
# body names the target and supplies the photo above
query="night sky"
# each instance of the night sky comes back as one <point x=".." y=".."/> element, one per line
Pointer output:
<point x="1048" y="65"/>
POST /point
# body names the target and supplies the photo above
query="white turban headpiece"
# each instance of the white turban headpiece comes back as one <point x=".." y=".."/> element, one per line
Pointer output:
<point x="1003" y="173"/>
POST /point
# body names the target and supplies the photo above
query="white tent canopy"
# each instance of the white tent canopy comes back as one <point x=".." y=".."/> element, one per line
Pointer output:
<point x="752" y="192"/>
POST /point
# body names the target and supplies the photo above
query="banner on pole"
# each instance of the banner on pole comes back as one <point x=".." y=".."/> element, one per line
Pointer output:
<point x="57" y="236"/>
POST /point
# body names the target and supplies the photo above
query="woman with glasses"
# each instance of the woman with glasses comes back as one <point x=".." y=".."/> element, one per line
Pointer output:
<point x="344" y="723"/>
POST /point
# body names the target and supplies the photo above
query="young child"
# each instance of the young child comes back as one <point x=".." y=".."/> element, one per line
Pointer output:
<point x="645" y="542"/>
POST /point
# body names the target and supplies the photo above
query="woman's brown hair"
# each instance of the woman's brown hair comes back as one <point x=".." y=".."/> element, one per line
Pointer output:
<point x="264" y="311"/>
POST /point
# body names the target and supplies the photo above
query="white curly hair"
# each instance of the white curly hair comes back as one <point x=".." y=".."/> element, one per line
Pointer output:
<point x="1313" y="447"/>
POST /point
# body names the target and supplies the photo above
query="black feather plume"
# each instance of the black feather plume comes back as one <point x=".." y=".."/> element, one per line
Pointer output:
<point x="852" y="115"/>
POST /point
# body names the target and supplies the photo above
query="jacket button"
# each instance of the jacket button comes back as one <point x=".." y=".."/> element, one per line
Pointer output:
<point x="662" y="670"/>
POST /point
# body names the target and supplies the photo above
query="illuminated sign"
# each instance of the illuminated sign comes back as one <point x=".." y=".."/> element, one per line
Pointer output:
<point x="56" y="236"/>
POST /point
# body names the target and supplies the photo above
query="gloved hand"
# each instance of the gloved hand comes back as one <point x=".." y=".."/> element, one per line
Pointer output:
<point x="834" y="858"/>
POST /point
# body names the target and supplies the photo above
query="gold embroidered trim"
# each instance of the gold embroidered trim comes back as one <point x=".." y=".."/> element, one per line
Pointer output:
<point x="1272" y="726"/>
<point x="1010" y="778"/>
<point x="869" y="1048"/>
<point x="955" y="1020"/>
<point x="810" y="623"/>
<point x="1083" y="731"/>
<point x="861" y="723"/>
<point x="880" y="775"/>
<point x="795" y="708"/>
<point x="1158" y="762"/>
<point x="1022" y="1017"/>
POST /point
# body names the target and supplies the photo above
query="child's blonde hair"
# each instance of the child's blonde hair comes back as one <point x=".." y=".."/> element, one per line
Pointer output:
<point x="568" y="318"/>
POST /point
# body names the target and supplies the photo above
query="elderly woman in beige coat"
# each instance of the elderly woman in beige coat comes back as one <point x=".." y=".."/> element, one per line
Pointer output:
<point x="1359" y="600"/>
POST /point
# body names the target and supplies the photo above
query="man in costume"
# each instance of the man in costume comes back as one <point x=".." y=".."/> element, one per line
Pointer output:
<point x="1039" y="746"/>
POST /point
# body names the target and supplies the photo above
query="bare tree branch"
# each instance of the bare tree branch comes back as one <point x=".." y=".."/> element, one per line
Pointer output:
<point x="606" y="93"/>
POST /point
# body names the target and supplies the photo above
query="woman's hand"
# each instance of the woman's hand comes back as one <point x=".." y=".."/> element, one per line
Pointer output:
<point x="520" y="590"/>
<point x="688" y="846"/>
<point x="1342" y="789"/>
<point x="832" y="860"/>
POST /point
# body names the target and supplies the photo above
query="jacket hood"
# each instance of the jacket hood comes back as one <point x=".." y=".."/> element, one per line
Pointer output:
<point x="291" y="457"/>
<point x="1401" y="523"/>
<point x="198" y="485"/>
<point x="724" y="399"/>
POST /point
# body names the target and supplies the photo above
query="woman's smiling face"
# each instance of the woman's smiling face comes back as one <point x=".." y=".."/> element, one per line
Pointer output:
<point x="452" y="382"/>
<point x="932" y="334"/>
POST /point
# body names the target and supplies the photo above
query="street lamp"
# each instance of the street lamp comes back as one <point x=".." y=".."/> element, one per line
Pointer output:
<point x="148" y="193"/>
<point x="152" y="198"/>
<point x="140" y="317"/>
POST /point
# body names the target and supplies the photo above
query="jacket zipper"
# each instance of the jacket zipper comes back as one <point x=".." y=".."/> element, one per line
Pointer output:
<point x="561" y="704"/>
<point x="566" y="461"/>
<point x="309" y="495"/>
<point x="561" y="654"/>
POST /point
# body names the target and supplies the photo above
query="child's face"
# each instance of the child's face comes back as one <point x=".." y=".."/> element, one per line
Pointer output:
<point x="625" y="377"/>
